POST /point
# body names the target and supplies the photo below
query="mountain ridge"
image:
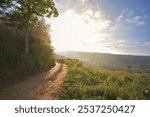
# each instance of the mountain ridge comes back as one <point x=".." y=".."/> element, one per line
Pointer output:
<point x="115" y="61"/>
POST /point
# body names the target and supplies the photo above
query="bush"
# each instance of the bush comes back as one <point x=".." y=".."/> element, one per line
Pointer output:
<point x="14" y="62"/>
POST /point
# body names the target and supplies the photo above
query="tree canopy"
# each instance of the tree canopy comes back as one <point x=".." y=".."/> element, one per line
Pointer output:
<point x="24" y="13"/>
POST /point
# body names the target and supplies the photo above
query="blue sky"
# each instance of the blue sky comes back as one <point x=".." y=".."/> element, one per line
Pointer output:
<point x="107" y="26"/>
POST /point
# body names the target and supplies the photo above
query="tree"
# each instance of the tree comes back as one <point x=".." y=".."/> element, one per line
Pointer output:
<point x="3" y="4"/>
<point x="23" y="13"/>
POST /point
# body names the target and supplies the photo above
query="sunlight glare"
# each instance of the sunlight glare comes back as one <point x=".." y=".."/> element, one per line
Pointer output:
<point x="80" y="32"/>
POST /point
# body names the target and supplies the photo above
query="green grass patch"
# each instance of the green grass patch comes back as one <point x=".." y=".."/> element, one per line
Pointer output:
<point x="95" y="83"/>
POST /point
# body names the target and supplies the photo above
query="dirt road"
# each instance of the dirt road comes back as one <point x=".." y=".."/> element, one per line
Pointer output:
<point x="44" y="86"/>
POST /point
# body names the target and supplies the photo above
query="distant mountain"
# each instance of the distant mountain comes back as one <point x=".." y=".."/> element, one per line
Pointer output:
<point x="124" y="62"/>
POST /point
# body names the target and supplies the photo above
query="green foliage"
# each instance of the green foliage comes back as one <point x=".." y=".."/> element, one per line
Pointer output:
<point x="22" y="12"/>
<point x="93" y="83"/>
<point x="25" y="13"/>
<point x="3" y="4"/>
<point x="14" y="62"/>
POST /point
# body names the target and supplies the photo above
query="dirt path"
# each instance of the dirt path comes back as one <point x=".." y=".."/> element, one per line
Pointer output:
<point x="45" y="85"/>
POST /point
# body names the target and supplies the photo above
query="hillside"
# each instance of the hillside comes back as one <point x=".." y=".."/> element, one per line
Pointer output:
<point x="112" y="61"/>
<point x="82" y="82"/>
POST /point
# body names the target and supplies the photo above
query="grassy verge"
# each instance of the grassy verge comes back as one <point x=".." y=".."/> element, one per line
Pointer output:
<point x="93" y="83"/>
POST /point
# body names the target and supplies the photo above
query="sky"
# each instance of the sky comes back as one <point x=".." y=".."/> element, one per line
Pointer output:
<point x="105" y="26"/>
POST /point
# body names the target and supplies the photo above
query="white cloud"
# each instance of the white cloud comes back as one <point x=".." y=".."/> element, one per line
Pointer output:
<point x="147" y="44"/>
<point x="128" y="16"/>
<point x="81" y="31"/>
<point x="138" y="20"/>
<point x="124" y="14"/>
<point x="82" y="28"/>
<point x="64" y="5"/>
<point x="83" y="1"/>
<point x="71" y="31"/>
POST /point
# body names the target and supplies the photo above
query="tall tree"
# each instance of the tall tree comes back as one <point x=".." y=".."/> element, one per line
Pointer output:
<point x="24" y="13"/>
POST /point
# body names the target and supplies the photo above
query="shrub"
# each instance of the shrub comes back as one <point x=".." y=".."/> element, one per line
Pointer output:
<point x="14" y="62"/>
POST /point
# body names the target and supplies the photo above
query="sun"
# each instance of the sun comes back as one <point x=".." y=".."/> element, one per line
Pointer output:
<point x="80" y="32"/>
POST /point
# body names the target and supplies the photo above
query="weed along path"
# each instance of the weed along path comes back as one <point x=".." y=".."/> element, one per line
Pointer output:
<point x="45" y="85"/>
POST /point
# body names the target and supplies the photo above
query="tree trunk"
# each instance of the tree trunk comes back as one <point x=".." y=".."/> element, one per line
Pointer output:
<point x="27" y="42"/>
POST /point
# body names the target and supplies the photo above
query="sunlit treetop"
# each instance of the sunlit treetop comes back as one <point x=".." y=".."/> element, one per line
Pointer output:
<point x="25" y="14"/>
<point x="23" y="11"/>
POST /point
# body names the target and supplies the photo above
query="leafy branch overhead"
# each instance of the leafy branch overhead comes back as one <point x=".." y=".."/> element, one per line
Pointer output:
<point x="24" y="13"/>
